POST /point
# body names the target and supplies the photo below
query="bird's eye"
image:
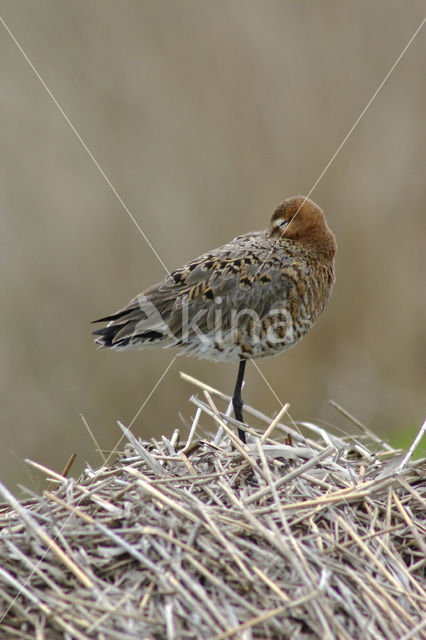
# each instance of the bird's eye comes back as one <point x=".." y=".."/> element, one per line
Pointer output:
<point x="281" y="223"/>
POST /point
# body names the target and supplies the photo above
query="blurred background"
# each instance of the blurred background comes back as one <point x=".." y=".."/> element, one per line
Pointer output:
<point x="204" y="116"/>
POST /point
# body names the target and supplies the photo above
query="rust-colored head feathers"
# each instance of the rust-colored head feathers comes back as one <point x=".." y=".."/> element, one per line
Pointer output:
<point x="300" y="219"/>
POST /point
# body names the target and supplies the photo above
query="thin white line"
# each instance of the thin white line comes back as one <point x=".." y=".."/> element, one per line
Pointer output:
<point x="270" y="388"/>
<point x="141" y="232"/>
<point x="295" y="425"/>
<point x="320" y="177"/>
<point x="84" y="145"/>
<point x="349" y="133"/>
<point x="360" y="524"/>
<point x="326" y="168"/>
<point x="142" y="407"/>
<point x="40" y="560"/>
<point x="145" y="237"/>
<point x="367" y="105"/>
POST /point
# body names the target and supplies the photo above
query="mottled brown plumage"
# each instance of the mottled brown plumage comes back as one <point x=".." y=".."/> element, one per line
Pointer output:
<point x="253" y="297"/>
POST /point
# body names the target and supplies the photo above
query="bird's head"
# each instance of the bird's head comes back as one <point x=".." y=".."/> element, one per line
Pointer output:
<point x="300" y="219"/>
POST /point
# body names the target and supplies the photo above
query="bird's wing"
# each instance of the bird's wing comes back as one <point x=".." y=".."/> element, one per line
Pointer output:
<point x="239" y="275"/>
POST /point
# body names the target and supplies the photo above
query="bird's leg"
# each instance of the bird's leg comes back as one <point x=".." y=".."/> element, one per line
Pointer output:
<point x="237" y="401"/>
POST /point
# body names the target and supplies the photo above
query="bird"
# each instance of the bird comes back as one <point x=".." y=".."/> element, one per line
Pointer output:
<point x="253" y="297"/>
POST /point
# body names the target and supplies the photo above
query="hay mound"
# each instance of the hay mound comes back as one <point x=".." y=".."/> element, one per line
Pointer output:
<point x="316" y="538"/>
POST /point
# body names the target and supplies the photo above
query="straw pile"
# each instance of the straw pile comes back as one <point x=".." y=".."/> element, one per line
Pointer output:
<point x="298" y="535"/>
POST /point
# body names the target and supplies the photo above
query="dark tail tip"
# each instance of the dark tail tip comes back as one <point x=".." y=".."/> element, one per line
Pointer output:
<point x="105" y="336"/>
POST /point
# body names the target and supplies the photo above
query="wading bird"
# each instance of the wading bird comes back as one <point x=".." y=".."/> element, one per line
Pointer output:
<point x="251" y="298"/>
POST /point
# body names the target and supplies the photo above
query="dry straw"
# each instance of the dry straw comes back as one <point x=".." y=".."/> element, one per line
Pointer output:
<point x="320" y="537"/>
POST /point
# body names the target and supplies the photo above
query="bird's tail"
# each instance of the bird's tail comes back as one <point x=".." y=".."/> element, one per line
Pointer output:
<point x="137" y="325"/>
